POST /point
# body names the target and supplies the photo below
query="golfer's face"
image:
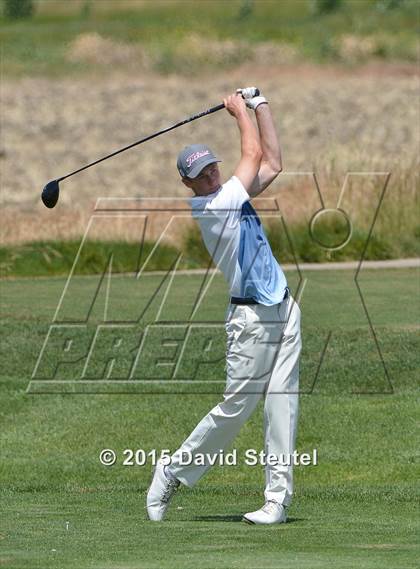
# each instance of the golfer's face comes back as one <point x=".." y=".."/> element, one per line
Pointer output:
<point x="208" y="181"/>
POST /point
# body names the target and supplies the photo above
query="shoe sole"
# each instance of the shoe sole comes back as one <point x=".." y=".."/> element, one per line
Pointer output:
<point x="251" y="523"/>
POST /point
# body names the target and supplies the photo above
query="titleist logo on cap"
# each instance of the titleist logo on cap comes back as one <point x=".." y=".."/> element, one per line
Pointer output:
<point x="195" y="156"/>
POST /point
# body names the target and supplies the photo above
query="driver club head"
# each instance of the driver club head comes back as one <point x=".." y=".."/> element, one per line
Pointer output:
<point x="50" y="194"/>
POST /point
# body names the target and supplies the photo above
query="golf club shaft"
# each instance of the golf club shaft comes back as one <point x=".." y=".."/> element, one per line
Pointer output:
<point x="193" y="118"/>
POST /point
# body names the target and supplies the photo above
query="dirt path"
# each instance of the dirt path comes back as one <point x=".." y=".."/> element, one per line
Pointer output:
<point x="346" y="265"/>
<point x="390" y="264"/>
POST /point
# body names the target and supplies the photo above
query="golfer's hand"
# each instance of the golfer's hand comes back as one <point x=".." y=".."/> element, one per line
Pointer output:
<point x="235" y="105"/>
<point x="251" y="99"/>
<point x="248" y="92"/>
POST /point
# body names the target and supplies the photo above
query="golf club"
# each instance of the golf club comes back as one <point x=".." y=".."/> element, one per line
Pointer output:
<point x="51" y="191"/>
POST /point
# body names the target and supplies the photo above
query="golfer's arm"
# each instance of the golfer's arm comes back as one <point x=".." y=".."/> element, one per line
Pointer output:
<point x="271" y="165"/>
<point x="251" y="152"/>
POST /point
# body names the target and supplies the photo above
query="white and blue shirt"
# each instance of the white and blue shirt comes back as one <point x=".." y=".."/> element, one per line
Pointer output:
<point x="234" y="236"/>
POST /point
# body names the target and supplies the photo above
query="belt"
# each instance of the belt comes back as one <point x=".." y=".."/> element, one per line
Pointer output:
<point x="240" y="300"/>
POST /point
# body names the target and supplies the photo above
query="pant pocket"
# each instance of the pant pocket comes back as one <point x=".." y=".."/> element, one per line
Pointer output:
<point x="235" y="318"/>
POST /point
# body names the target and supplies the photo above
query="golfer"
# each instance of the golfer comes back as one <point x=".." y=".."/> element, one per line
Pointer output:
<point x="263" y="320"/>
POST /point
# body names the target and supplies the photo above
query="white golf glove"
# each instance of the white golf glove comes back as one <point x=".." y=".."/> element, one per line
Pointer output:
<point x="252" y="100"/>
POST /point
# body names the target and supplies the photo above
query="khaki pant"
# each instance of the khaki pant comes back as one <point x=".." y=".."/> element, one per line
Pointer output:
<point x="263" y="350"/>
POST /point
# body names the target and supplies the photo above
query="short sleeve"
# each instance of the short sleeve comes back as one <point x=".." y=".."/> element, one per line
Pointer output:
<point x="231" y="196"/>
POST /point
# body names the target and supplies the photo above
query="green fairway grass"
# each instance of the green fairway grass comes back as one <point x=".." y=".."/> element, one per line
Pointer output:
<point x="357" y="508"/>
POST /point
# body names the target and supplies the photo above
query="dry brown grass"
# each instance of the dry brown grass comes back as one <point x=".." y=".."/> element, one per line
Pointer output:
<point x="329" y="120"/>
<point x="95" y="49"/>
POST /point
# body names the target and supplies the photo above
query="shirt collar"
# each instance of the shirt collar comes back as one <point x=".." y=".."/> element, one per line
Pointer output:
<point x="196" y="201"/>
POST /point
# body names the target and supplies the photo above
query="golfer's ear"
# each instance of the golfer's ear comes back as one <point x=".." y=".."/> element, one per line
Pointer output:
<point x="186" y="182"/>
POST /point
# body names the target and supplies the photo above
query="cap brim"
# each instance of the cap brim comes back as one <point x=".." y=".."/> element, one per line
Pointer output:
<point x="197" y="168"/>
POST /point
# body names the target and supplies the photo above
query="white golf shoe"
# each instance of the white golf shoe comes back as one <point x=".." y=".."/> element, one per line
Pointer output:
<point x="270" y="513"/>
<point x="160" y="493"/>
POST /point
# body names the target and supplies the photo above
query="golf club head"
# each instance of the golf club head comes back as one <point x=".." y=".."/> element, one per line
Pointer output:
<point x="50" y="194"/>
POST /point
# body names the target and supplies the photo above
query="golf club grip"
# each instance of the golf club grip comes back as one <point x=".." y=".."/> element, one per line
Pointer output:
<point x="189" y="119"/>
<point x="208" y="112"/>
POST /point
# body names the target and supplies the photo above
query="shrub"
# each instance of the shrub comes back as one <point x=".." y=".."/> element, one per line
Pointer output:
<point x="325" y="6"/>
<point x="18" y="9"/>
<point x="246" y="9"/>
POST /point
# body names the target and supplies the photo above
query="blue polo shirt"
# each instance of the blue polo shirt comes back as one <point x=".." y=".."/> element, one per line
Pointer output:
<point x="235" y="238"/>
